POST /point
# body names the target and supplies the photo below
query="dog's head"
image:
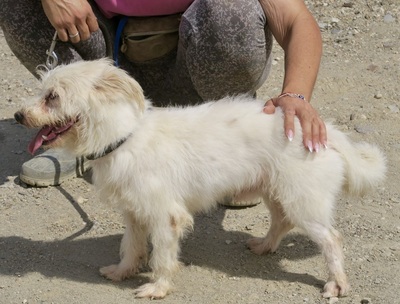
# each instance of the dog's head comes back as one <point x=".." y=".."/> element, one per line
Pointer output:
<point x="83" y="106"/>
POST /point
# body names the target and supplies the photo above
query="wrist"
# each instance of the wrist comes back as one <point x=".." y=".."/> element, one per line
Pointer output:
<point x="293" y="95"/>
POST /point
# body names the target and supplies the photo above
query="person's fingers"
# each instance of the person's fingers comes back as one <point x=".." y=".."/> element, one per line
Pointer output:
<point x="88" y="26"/>
<point x="315" y="134"/>
<point x="74" y="34"/>
<point x="84" y="29"/>
<point x="323" y="137"/>
<point x="269" y="107"/>
<point x="289" y="115"/>
<point x="62" y="35"/>
<point x="307" y="129"/>
<point x="84" y="32"/>
<point x="92" y="23"/>
<point x="312" y="126"/>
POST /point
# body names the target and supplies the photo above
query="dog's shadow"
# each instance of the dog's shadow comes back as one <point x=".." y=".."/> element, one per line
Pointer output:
<point x="213" y="247"/>
<point x="80" y="259"/>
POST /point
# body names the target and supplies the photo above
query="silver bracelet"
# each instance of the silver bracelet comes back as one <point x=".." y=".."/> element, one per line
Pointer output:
<point x="294" y="95"/>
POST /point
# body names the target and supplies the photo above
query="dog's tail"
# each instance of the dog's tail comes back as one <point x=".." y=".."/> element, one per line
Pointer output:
<point x="365" y="164"/>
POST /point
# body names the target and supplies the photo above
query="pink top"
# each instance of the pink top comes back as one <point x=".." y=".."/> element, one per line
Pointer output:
<point x="142" y="8"/>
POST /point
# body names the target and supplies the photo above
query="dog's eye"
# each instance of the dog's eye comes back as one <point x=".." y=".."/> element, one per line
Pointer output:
<point x="51" y="97"/>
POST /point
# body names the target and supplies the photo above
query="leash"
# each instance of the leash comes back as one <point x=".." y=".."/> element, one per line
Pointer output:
<point x="52" y="58"/>
<point x="121" y="24"/>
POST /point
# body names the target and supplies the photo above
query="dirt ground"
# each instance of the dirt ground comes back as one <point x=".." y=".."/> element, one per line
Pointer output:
<point x="53" y="240"/>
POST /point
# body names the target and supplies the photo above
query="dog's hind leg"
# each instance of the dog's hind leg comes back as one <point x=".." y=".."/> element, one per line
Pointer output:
<point x="165" y="232"/>
<point x="133" y="250"/>
<point x="280" y="225"/>
<point x="330" y="242"/>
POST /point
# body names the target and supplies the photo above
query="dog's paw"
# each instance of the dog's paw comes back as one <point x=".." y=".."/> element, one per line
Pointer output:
<point x="116" y="273"/>
<point x="157" y="290"/>
<point x="335" y="289"/>
<point x="260" y="246"/>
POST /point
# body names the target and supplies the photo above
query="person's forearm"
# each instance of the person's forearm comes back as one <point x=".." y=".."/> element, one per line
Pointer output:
<point x="303" y="50"/>
<point x="296" y="30"/>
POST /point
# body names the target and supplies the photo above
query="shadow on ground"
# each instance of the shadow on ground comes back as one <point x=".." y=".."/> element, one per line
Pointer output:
<point x="14" y="140"/>
<point x="79" y="259"/>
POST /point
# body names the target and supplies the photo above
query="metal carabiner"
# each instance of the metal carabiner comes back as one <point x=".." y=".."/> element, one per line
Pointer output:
<point x="52" y="58"/>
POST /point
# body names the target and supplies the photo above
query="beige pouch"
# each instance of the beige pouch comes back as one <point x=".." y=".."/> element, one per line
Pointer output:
<point x="148" y="38"/>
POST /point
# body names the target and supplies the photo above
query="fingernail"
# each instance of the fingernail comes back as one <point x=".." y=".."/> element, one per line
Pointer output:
<point x="309" y="146"/>
<point x="290" y="135"/>
<point x="316" y="148"/>
<point x="325" y="145"/>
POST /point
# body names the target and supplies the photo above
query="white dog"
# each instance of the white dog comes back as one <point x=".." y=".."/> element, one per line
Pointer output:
<point x="162" y="166"/>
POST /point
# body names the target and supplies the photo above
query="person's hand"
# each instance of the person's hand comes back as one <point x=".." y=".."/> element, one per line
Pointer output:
<point x="73" y="20"/>
<point x="314" y="130"/>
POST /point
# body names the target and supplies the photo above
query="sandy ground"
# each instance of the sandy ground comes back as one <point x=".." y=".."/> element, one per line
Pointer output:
<point x="53" y="240"/>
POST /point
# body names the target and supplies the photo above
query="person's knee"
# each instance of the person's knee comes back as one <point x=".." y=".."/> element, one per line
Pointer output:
<point x="6" y="7"/>
<point x="220" y="13"/>
<point x="225" y="47"/>
<point x="224" y="24"/>
<point x="15" y="12"/>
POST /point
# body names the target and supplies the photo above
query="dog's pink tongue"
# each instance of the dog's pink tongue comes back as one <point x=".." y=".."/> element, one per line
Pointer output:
<point x="37" y="142"/>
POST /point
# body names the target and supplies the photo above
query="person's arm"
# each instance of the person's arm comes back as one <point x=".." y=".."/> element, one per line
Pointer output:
<point x="297" y="32"/>
<point x="70" y="17"/>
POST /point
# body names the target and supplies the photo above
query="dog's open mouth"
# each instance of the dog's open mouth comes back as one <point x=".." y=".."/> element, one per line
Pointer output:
<point x="49" y="134"/>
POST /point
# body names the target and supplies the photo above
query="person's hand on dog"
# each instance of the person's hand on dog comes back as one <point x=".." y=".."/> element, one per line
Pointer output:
<point x="297" y="32"/>
<point x="73" y="20"/>
<point x="314" y="129"/>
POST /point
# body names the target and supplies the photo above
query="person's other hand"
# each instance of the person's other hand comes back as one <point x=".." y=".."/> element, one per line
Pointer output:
<point x="73" y="20"/>
<point x="314" y="130"/>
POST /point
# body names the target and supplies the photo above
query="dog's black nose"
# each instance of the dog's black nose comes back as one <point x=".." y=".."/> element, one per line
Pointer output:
<point x="19" y="117"/>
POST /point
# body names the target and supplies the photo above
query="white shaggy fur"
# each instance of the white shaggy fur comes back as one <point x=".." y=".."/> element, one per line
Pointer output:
<point x="178" y="161"/>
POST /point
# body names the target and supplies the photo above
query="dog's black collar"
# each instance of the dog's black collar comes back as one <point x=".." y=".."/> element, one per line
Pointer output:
<point x="109" y="149"/>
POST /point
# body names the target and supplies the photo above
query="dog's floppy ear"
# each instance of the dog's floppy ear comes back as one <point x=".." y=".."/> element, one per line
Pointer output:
<point x="115" y="82"/>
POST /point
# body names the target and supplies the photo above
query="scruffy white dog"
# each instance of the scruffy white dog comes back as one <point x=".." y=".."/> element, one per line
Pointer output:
<point x="162" y="166"/>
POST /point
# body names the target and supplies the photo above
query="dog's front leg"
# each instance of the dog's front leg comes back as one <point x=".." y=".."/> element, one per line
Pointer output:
<point x="133" y="250"/>
<point x="165" y="234"/>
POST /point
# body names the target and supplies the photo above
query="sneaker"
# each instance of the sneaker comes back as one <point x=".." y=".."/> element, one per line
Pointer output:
<point x="51" y="168"/>
<point x="231" y="202"/>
